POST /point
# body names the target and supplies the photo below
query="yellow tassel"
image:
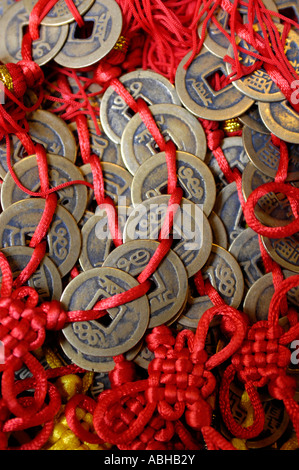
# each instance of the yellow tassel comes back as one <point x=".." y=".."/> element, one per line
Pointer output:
<point x="5" y="77"/>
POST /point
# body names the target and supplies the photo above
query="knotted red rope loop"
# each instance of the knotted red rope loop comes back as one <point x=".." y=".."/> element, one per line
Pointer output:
<point x="272" y="232"/>
<point x="224" y="403"/>
<point x="278" y="299"/>
<point x="37" y="416"/>
<point x="262" y="360"/>
<point x="11" y="389"/>
<point x="234" y="324"/>
<point x="113" y="419"/>
<point x="42" y="8"/>
<point x="88" y="404"/>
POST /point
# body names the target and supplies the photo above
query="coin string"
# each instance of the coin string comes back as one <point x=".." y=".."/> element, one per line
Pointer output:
<point x="42" y="8"/>
<point x="107" y="73"/>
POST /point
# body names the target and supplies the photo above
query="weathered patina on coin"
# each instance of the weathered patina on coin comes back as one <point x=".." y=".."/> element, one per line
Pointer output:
<point x="5" y="4"/>
<point x="271" y="209"/>
<point x="45" y="280"/>
<point x="258" y="298"/>
<point x="53" y="133"/>
<point x="105" y="19"/>
<point x="117" y="180"/>
<point x="120" y="329"/>
<point x="233" y="150"/>
<point x="93" y="363"/>
<point x="281" y="119"/>
<point x="51" y="39"/>
<point x="46" y="129"/>
<point x="218" y="230"/>
<point x="246" y="250"/>
<point x="191" y="231"/>
<point x="199" y="96"/>
<point x="60" y="13"/>
<point x="229" y="209"/>
<point x="194" y="177"/>
<point x="276" y="421"/>
<point x="152" y="87"/>
<point x="100" y="383"/>
<point x="225" y="275"/>
<point x="20" y="220"/>
<point x="97" y="239"/>
<point x="100" y="144"/>
<point x="175" y="124"/>
<point x="170" y="281"/>
<point x="257" y="85"/>
<point x="285" y="251"/>
<point x="215" y="41"/>
<point x="144" y="357"/>
<point x="253" y="119"/>
<point x="266" y="156"/>
<point x="60" y="170"/>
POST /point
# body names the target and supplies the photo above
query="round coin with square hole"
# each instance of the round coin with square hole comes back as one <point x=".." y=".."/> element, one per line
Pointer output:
<point x="253" y="120"/>
<point x="258" y="298"/>
<point x="233" y="150"/>
<point x="225" y="275"/>
<point x="152" y="87"/>
<point x="97" y="240"/>
<point x="93" y="363"/>
<point x="117" y="181"/>
<point x="60" y="171"/>
<point x="191" y="230"/>
<point x="100" y="144"/>
<point x="228" y="208"/>
<point x="174" y="122"/>
<point x="53" y="133"/>
<point x="281" y="119"/>
<point x="271" y="209"/>
<point x="257" y="85"/>
<point x="46" y="129"/>
<point x="285" y="251"/>
<point x="266" y="156"/>
<point x="60" y="13"/>
<point x="194" y="177"/>
<point x="102" y="28"/>
<point x="12" y="24"/>
<point x="215" y="40"/>
<point x="45" y="280"/>
<point x="198" y="95"/>
<point x="120" y="329"/>
<point x="246" y="250"/>
<point x="170" y="280"/>
<point x="220" y="237"/>
<point x="19" y="221"/>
